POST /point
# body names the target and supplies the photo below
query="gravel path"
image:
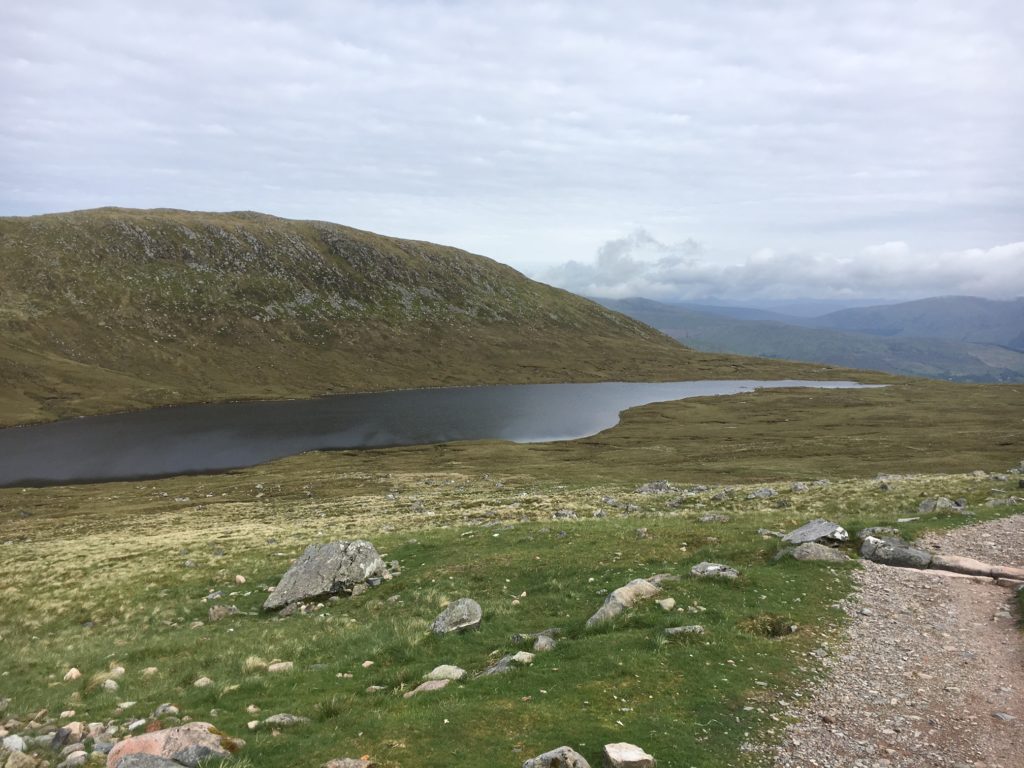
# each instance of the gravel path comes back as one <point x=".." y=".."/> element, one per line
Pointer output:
<point x="930" y="672"/>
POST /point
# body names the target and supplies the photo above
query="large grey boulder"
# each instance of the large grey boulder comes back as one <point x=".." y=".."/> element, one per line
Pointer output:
<point x="816" y="531"/>
<point x="327" y="569"/>
<point x="460" y="615"/>
<point x="563" y="757"/>
<point x="623" y="598"/>
<point x="893" y="551"/>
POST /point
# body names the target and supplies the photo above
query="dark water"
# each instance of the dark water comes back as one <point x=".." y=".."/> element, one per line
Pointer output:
<point x="208" y="438"/>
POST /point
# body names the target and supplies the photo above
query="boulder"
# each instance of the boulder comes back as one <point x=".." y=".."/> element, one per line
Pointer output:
<point x="142" y="760"/>
<point x="445" y="672"/>
<point x="327" y="569"/>
<point x="623" y="755"/>
<point x="563" y="757"/>
<point x="186" y="744"/>
<point x="460" y="615"/>
<point x="716" y="570"/>
<point x="816" y="531"/>
<point x="430" y="685"/>
<point x="623" y="598"/>
<point x="938" y="504"/>
<point x="893" y="551"/>
<point x="810" y="550"/>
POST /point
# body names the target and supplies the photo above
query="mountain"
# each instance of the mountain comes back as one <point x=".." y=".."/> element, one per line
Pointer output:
<point x="933" y="358"/>
<point x="116" y="309"/>
<point x="956" y="318"/>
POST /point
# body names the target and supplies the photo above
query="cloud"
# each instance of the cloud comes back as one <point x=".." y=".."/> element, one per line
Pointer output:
<point x="640" y="265"/>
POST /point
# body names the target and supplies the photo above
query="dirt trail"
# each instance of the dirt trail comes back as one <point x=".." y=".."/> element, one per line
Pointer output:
<point x="930" y="672"/>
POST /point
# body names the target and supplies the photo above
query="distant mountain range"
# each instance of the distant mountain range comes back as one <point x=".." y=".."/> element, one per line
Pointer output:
<point x="958" y="338"/>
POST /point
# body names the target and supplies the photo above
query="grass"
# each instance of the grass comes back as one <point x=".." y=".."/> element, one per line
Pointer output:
<point x="96" y="577"/>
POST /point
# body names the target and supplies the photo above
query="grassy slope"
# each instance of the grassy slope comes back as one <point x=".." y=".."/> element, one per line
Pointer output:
<point x="115" y="309"/>
<point x="934" y="358"/>
<point x="114" y="555"/>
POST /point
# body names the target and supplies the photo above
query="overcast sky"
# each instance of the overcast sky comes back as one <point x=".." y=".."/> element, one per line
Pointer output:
<point x="674" y="150"/>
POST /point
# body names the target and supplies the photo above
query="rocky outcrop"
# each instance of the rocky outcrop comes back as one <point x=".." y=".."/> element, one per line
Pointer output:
<point x="334" y="568"/>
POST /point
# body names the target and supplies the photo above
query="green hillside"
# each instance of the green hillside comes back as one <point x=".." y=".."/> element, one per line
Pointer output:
<point x="116" y="309"/>
<point x="930" y="357"/>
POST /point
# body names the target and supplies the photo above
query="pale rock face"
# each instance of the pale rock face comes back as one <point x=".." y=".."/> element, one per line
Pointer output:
<point x="623" y="598"/>
<point x="327" y="569"/>
<point x="624" y="755"/>
<point x="817" y="531"/>
<point x="72" y="674"/>
<point x="187" y="744"/>
<point x="430" y="685"/>
<point x="445" y="672"/>
<point x="460" y="615"/>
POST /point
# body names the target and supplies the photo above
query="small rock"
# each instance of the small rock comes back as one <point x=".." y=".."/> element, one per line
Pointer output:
<point x="564" y="514"/>
<point x="762" y="493"/>
<point x="812" y="551"/>
<point x="544" y="643"/>
<point x="14" y="743"/>
<point x="203" y="682"/>
<point x="143" y="760"/>
<point x="460" y="615"/>
<point x="72" y="674"/>
<point x="430" y="685"/>
<point x="75" y="759"/>
<point x="21" y="760"/>
<point x="445" y="672"/>
<point x="657" y="486"/>
<point x="689" y="629"/>
<point x="166" y="710"/>
<point x="562" y="757"/>
<point x="716" y="570"/>
<point x="622" y="598"/>
<point x="523" y="657"/>
<point x="349" y="762"/>
<point x="149" y="671"/>
<point x="714" y="517"/>
<point x="110" y="685"/>
<point x="623" y="755"/>
<point x="218" y="612"/>
<point x="1003" y="716"/>
<point x="667" y="604"/>
<point x="816" y="531"/>
<point x="281" y="666"/>
<point x="239" y="579"/>
<point x="285" y="720"/>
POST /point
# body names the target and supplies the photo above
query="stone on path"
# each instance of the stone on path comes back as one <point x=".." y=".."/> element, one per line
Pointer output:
<point x="445" y="672"/>
<point x="623" y="598"/>
<point x="893" y="551"/>
<point x="334" y="568"/>
<point x="563" y="757"/>
<point x="623" y="755"/>
<point x="816" y="531"/>
<point x="186" y="744"/>
<point x="430" y="685"/>
<point x="460" y="615"/>
<point x="716" y="570"/>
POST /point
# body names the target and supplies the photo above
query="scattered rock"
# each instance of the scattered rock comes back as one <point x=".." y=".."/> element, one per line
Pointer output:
<point x="142" y="760"/>
<point x="239" y="579"/>
<point x="500" y="667"/>
<point x="21" y="760"/>
<point x="667" y="604"/>
<point x="564" y="514"/>
<point x="816" y="531"/>
<point x="893" y="551"/>
<point x="203" y="682"/>
<point x="623" y="598"/>
<point x="762" y="493"/>
<point x="327" y="569"/>
<point x="766" y="532"/>
<point x="563" y="757"/>
<point x="717" y="570"/>
<point x="544" y="643"/>
<point x="430" y="685"/>
<point x="218" y="612"/>
<point x="72" y="674"/>
<point x="714" y="517"/>
<point x="460" y="615"/>
<point x="798" y="487"/>
<point x="186" y="744"/>
<point x="445" y="672"/>
<point x="14" y="743"/>
<point x="281" y="666"/>
<point x="689" y="629"/>
<point x="938" y="504"/>
<point x="75" y="759"/>
<point x="878" y="531"/>
<point x="623" y="755"/>
<point x="656" y="486"/>
<point x="349" y="762"/>
<point x="149" y="671"/>
<point x="285" y="720"/>
<point x="523" y="657"/>
<point x="166" y="710"/>
<point x="110" y="685"/>
<point x="643" y="533"/>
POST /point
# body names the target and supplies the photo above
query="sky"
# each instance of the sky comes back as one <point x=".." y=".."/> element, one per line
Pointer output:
<point x="742" y="151"/>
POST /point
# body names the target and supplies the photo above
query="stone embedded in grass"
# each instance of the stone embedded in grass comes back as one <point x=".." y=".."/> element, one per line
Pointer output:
<point x="939" y="504"/>
<point x="187" y="744"/>
<point x="894" y="551"/>
<point x="445" y="672"/>
<point x="75" y="759"/>
<point x="667" y="604"/>
<point x="21" y="760"/>
<point x="817" y="531"/>
<point x="327" y="569"/>
<point x="460" y="615"/>
<point x="622" y="598"/>
<point x="349" y="762"/>
<point x="72" y="674"/>
<point x="523" y="657"/>
<point x="281" y="666"/>
<point x="878" y="531"/>
<point x="762" y="493"/>
<point x="563" y="514"/>
<point x="714" y="517"/>
<point x="110" y="685"/>
<point x="562" y="757"/>
<point x="714" y="570"/>
<point x="689" y="629"/>
<point x="285" y="720"/>
<point x="656" y="486"/>
<point x="544" y="643"/>
<point x="430" y="685"/>
<point x="624" y="755"/>
<point x="812" y="551"/>
<point x="14" y="743"/>
<point x="203" y="682"/>
<point x="218" y="612"/>
<point x="166" y="710"/>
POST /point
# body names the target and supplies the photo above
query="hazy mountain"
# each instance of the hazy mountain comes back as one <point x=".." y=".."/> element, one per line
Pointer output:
<point x="934" y="358"/>
<point x="114" y="309"/>
<point x="957" y="318"/>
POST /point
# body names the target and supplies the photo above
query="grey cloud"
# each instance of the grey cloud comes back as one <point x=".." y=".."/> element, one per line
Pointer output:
<point x="640" y="265"/>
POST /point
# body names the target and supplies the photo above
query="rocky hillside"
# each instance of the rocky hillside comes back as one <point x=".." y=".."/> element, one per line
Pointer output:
<point x="112" y="309"/>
